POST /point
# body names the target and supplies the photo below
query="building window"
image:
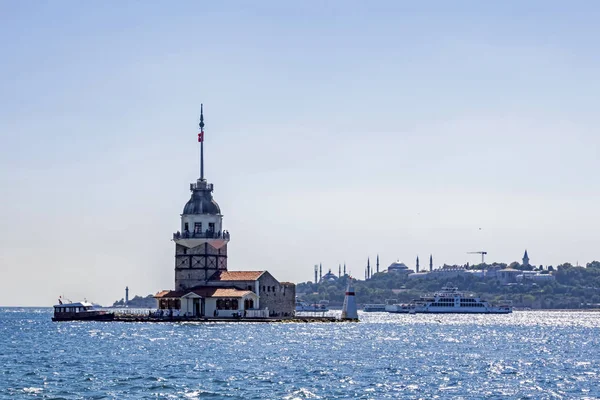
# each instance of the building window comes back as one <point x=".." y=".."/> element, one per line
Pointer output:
<point x="184" y="250"/>
<point x="268" y="288"/>
<point x="227" y="304"/>
<point x="250" y="287"/>
<point x="197" y="227"/>
<point x="273" y="289"/>
<point x="264" y="289"/>
<point x="186" y="227"/>
<point x="211" y="226"/>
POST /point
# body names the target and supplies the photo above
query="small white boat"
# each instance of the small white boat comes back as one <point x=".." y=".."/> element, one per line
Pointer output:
<point x="82" y="311"/>
<point x="302" y="306"/>
<point x="374" y="308"/>
<point x="398" y="308"/>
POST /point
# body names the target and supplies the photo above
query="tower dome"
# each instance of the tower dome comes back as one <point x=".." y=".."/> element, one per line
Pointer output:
<point x="201" y="201"/>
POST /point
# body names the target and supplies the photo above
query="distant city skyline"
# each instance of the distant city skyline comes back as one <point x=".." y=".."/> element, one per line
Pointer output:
<point x="334" y="132"/>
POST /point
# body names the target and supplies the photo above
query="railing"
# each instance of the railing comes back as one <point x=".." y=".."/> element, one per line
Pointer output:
<point x="201" y="235"/>
<point x="134" y="312"/>
<point x="201" y="186"/>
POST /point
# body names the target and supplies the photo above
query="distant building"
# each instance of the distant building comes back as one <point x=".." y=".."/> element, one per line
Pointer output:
<point x="533" y="276"/>
<point x="525" y="259"/>
<point x="329" y="277"/>
<point x="399" y="268"/>
<point x="508" y="275"/>
<point x="447" y="272"/>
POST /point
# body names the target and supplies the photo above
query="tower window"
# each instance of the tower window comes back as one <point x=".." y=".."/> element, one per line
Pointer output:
<point x="186" y="227"/>
<point x="211" y="226"/>
<point x="197" y="227"/>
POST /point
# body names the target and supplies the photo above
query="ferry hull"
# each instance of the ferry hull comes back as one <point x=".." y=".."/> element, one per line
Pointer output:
<point x="83" y="317"/>
<point x="460" y="310"/>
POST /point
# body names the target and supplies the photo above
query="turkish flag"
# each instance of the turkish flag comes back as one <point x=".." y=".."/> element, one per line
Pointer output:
<point x="201" y="137"/>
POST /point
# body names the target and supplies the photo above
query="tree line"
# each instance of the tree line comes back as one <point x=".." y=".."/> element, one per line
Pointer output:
<point x="575" y="287"/>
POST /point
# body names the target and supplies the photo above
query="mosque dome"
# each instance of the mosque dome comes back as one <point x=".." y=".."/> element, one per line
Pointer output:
<point x="329" y="277"/>
<point x="201" y="202"/>
<point x="397" y="266"/>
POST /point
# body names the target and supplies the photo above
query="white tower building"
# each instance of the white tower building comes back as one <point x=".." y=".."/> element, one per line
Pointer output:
<point x="349" y="310"/>
<point x="201" y="245"/>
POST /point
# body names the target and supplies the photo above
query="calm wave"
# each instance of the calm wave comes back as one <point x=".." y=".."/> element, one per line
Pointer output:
<point x="524" y="355"/>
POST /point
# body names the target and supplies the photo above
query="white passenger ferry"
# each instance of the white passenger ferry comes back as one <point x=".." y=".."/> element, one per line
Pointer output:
<point x="450" y="301"/>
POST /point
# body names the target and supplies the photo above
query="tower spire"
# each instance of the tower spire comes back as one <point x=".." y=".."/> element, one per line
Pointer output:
<point x="201" y="140"/>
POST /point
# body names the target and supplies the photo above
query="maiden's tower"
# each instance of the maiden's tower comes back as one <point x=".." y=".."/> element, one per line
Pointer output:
<point x="201" y="245"/>
<point x="204" y="287"/>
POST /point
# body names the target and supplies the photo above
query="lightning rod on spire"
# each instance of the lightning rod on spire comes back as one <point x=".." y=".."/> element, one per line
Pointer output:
<point x="201" y="140"/>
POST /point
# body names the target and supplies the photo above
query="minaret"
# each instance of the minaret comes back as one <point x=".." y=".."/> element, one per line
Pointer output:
<point x="344" y="269"/>
<point x="417" y="263"/>
<point x="320" y="271"/>
<point x="316" y="273"/>
<point x="377" y="263"/>
<point x="430" y="262"/>
<point x="525" y="259"/>
<point x="368" y="268"/>
<point x="201" y="245"/>
<point x="340" y="271"/>
<point x="126" y="295"/>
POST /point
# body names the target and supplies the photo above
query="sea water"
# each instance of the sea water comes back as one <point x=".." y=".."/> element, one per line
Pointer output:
<point x="533" y="355"/>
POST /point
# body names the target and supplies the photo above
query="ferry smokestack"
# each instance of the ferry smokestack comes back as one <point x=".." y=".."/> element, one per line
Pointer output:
<point x="349" y="311"/>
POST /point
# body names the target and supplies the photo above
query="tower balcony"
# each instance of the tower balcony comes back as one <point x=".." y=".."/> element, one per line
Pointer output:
<point x="193" y="239"/>
<point x="201" y="185"/>
<point x="201" y="235"/>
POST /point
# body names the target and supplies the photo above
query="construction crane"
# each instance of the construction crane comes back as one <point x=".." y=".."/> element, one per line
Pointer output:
<point x="483" y="253"/>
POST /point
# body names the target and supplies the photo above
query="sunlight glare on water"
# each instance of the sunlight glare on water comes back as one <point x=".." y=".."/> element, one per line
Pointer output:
<point x="522" y="355"/>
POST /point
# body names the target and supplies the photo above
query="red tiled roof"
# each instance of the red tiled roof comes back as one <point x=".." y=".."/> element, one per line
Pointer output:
<point x="230" y="293"/>
<point x="204" y="291"/>
<point x="236" y="275"/>
<point x="169" y="294"/>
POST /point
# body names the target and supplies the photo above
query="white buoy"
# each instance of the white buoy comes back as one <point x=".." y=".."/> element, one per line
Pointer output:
<point x="349" y="311"/>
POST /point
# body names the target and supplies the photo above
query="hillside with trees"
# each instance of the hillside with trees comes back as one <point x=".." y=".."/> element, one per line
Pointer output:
<point x="137" y="302"/>
<point x="575" y="287"/>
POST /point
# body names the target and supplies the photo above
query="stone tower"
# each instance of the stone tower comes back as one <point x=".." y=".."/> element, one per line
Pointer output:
<point x="201" y="245"/>
<point x="525" y="259"/>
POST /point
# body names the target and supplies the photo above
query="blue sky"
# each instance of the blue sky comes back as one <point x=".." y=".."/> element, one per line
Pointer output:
<point x="334" y="131"/>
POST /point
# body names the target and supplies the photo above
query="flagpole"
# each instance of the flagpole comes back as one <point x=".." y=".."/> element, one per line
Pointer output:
<point x="202" y="143"/>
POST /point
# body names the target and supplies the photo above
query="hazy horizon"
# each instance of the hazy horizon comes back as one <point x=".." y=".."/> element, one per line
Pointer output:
<point x="334" y="132"/>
